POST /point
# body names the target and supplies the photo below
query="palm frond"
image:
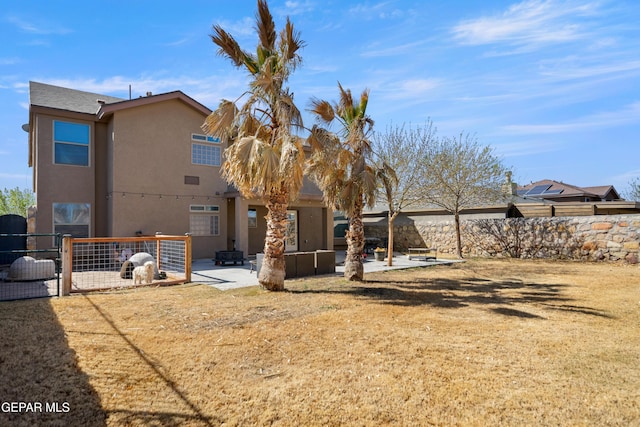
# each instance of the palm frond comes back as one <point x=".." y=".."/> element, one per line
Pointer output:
<point x="229" y="47"/>
<point x="364" y="100"/>
<point x="369" y="184"/>
<point x="292" y="161"/>
<point x="287" y="112"/>
<point x="265" y="26"/>
<point x="265" y="166"/>
<point x="290" y="43"/>
<point x="221" y="122"/>
<point x="323" y="110"/>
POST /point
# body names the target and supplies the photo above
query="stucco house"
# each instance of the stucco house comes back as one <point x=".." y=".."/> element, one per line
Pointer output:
<point x="548" y="189"/>
<point x="542" y="199"/>
<point x="112" y="167"/>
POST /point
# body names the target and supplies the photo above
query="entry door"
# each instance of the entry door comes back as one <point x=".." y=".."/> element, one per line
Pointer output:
<point x="291" y="238"/>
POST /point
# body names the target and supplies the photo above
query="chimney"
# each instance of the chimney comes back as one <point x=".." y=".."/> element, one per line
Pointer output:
<point x="509" y="187"/>
<point x="149" y="94"/>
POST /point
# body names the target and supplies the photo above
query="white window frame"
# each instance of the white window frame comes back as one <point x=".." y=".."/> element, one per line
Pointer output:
<point x="204" y="225"/>
<point x="204" y="220"/>
<point x="206" y="142"/>
<point x="204" y="208"/>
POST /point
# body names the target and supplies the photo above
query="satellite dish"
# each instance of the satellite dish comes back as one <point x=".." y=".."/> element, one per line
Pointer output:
<point x="25" y="127"/>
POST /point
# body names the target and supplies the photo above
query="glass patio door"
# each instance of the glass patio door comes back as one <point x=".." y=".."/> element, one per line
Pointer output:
<point x="291" y="238"/>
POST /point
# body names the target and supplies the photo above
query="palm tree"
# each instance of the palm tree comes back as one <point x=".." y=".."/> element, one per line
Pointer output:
<point x="264" y="159"/>
<point x="339" y="164"/>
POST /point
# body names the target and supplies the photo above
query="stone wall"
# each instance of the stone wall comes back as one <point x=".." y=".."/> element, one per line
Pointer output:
<point x="593" y="238"/>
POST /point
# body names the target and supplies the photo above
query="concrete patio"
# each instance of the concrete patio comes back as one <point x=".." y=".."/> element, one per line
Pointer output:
<point x="226" y="277"/>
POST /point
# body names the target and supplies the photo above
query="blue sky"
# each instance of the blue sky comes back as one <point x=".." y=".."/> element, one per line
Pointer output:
<point x="553" y="86"/>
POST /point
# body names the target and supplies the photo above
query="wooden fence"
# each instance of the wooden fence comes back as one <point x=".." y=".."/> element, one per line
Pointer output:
<point x="90" y="264"/>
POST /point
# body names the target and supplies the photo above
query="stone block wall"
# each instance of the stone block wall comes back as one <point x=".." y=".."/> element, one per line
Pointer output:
<point x="593" y="238"/>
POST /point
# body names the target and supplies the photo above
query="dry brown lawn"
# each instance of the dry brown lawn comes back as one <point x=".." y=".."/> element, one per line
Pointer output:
<point x="485" y="342"/>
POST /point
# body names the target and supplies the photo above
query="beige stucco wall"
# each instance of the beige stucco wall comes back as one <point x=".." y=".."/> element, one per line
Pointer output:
<point x="312" y="227"/>
<point x="139" y="157"/>
<point x="151" y="156"/>
<point x="60" y="183"/>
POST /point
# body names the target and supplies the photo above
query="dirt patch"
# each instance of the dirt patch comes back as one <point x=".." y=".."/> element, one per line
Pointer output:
<point x="486" y="342"/>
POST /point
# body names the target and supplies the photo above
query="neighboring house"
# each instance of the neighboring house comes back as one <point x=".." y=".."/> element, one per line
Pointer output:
<point x="544" y="198"/>
<point x="112" y="167"/>
<point x="548" y="189"/>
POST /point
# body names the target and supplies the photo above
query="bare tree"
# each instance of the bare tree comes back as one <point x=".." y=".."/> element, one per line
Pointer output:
<point x="633" y="192"/>
<point x="526" y="237"/>
<point x="461" y="174"/>
<point x="399" y="152"/>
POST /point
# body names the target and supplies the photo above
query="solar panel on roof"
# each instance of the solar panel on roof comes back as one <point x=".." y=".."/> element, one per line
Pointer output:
<point x="538" y="189"/>
<point x="553" y="192"/>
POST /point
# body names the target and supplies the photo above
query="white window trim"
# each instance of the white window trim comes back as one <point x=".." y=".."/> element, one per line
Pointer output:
<point x="204" y="144"/>
<point x="208" y="216"/>
<point x="204" y="138"/>
<point x="204" y="208"/>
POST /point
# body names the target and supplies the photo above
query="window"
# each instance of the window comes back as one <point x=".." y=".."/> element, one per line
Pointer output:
<point x="204" y="225"/>
<point x="202" y="222"/>
<point x="204" y="208"/>
<point x="72" y="218"/>
<point x="205" y="138"/>
<point x="71" y="143"/>
<point x="253" y="218"/>
<point x="205" y="153"/>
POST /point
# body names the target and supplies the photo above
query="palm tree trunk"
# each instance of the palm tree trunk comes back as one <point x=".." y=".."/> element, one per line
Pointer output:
<point x="272" y="272"/>
<point x="353" y="268"/>
<point x="391" y="220"/>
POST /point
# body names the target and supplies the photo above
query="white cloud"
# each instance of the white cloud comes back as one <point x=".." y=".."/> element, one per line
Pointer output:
<point x="368" y="10"/>
<point x="238" y="29"/>
<point x="407" y="89"/>
<point x="627" y="115"/>
<point x="532" y="22"/>
<point x="575" y="68"/>
<point x="10" y="61"/>
<point x="627" y="176"/>
<point x="298" y="7"/>
<point x="37" y="28"/>
<point x="525" y="148"/>
<point x="403" y="49"/>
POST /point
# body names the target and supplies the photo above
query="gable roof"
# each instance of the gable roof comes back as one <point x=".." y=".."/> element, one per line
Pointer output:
<point x="61" y="98"/>
<point x="550" y="189"/>
<point x="603" y="191"/>
<point x="109" y="108"/>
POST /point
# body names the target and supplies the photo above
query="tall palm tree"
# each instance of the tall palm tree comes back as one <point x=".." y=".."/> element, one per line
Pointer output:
<point x="263" y="159"/>
<point x="340" y="166"/>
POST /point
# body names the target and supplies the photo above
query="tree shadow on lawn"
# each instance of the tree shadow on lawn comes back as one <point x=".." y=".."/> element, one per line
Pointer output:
<point x="193" y="414"/>
<point x="499" y="296"/>
<point x="41" y="382"/>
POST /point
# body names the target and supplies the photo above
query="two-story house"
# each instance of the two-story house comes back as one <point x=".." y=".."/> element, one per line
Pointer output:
<point x="112" y="167"/>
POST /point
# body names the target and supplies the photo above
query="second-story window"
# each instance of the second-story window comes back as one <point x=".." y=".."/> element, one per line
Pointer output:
<point x="205" y="150"/>
<point x="70" y="143"/>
